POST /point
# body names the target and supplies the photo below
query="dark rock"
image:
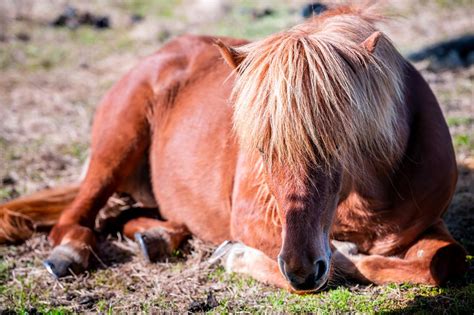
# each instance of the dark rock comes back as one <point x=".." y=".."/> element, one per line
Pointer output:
<point x="258" y="14"/>
<point x="452" y="54"/>
<point x="87" y="301"/>
<point x="33" y="311"/>
<point x="312" y="9"/>
<point x="136" y="18"/>
<point x="8" y="180"/>
<point x="102" y="22"/>
<point x="72" y="19"/>
<point x="70" y="296"/>
<point x="24" y="37"/>
<point x="204" y="306"/>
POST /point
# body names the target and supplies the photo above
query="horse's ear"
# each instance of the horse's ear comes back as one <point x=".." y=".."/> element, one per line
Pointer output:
<point x="371" y="42"/>
<point x="230" y="55"/>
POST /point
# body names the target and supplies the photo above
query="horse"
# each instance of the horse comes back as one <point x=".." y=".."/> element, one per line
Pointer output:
<point x="315" y="152"/>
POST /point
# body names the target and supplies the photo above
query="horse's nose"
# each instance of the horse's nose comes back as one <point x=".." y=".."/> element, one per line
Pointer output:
<point x="311" y="278"/>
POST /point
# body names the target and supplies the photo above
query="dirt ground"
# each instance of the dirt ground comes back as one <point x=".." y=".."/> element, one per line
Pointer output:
<point x="50" y="82"/>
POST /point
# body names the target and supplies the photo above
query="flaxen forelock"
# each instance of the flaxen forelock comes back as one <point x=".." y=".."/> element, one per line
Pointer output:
<point x="314" y="95"/>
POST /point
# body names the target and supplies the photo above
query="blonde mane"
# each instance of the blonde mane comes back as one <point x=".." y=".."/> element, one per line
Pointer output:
<point x="313" y="95"/>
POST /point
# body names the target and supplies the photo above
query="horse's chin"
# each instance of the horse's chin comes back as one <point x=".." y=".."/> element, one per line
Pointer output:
<point x="322" y="287"/>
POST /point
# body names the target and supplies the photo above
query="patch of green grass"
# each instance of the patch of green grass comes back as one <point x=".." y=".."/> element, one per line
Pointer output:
<point x="459" y="121"/>
<point x="24" y="298"/>
<point x="104" y="307"/>
<point x="392" y="298"/>
<point x="31" y="57"/>
<point x="218" y="274"/>
<point x="447" y="4"/>
<point x="87" y="35"/>
<point x="161" y="302"/>
<point x="4" y="271"/>
<point x="463" y="141"/>
<point x="178" y="267"/>
<point x="78" y="150"/>
<point x="4" y="193"/>
<point x="250" y="27"/>
<point x="152" y="7"/>
<point x="108" y="278"/>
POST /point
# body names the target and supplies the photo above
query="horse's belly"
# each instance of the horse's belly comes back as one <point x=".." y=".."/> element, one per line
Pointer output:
<point x="193" y="165"/>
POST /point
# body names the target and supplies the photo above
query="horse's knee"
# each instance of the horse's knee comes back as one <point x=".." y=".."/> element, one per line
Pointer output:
<point x="448" y="262"/>
<point x="63" y="234"/>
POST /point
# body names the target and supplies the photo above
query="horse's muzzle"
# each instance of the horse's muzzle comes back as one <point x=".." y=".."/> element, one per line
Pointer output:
<point x="310" y="279"/>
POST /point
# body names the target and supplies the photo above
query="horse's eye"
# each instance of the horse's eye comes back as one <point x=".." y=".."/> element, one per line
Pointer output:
<point x="261" y="151"/>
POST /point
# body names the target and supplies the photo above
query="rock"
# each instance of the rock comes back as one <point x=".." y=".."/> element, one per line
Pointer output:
<point x="8" y="180"/>
<point x="72" y="19"/>
<point x="88" y="301"/>
<point x="451" y="54"/>
<point x="22" y="36"/>
<point x="312" y="9"/>
<point x="136" y="18"/>
<point x="258" y="14"/>
<point x="203" y="306"/>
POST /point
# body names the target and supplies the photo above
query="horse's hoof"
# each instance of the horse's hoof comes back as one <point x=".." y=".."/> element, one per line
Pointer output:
<point x="232" y="255"/>
<point x="345" y="248"/>
<point x="221" y="251"/>
<point x="154" y="244"/>
<point x="64" y="260"/>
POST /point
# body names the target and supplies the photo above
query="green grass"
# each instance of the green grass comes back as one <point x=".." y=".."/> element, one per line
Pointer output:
<point x="78" y="150"/>
<point x="32" y="57"/>
<point x="447" y="4"/>
<point x="463" y="141"/>
<point x="247" y="26"/>
<point x="459" y="121"/>
<point x="7" y="193"/>
<point x="25" y="298"/>
<point x="392" y="298"/>
<point x="158" y="8"/>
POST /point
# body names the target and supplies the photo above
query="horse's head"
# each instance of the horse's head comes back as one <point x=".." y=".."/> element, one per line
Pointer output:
<point x="316" y="105"/>
<point x="306" y="206"/>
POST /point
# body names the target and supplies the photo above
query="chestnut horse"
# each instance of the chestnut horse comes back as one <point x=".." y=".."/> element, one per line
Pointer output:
<point x="315" y="149"/>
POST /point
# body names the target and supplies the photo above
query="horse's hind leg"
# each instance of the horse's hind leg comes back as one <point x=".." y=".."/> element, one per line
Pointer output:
<point x="120" y="138"/>
<point x="433" y="259"/>
<point x="157" y="239"/>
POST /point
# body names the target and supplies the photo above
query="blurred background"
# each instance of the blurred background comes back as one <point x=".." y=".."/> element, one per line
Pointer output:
<point x="58" y="58"/>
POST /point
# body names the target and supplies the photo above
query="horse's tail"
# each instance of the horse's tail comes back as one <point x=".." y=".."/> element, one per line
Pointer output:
<point x="19" y="218"/>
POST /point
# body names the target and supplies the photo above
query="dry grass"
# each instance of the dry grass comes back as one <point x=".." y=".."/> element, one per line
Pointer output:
<point x="48" y="90"/>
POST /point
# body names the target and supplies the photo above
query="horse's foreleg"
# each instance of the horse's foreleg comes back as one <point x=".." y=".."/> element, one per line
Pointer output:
<point x="243" y="259"/>
<point x="120" y="138"/>
<point x="433" y="259"/>
<point x="157" y="239"/>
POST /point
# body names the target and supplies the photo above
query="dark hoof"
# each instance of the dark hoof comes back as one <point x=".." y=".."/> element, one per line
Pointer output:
<point x="64" y="261"/>
<point x="154" y="244"/>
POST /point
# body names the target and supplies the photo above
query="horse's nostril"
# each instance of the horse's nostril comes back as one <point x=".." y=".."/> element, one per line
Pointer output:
<point x="320" y="269"/>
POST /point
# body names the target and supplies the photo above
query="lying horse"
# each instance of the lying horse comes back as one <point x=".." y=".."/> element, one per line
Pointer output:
<point x="315" y="149"/>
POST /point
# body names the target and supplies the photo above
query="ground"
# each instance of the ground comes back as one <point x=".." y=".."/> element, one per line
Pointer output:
<point x="51" y="80"/>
